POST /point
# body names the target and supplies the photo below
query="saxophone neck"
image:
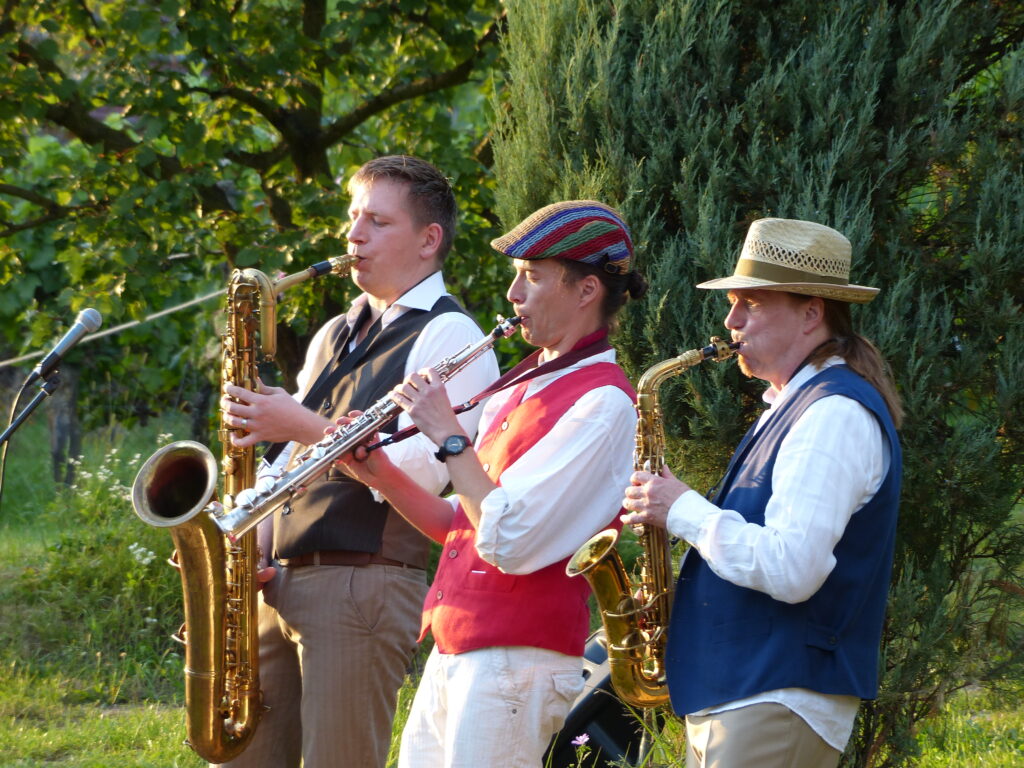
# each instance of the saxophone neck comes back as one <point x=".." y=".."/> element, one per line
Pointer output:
<point x="653" y="377"/>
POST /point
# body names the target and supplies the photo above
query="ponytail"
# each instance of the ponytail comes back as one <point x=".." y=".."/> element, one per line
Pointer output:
<point x="860" y="354"/>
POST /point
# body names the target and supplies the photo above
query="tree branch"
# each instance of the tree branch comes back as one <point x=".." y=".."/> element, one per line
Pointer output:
<point x="455" y="76"/>
<point x="54" y="211"/>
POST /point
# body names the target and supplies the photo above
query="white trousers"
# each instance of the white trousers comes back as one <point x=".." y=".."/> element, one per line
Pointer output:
<point x="489" y="707"/>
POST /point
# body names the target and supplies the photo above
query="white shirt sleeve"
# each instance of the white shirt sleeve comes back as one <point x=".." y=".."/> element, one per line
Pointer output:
<point x="829" y="465"/>
<point x="265" y="470"/>
<point x="564" y="489"/>
<point x="443" y="336"/>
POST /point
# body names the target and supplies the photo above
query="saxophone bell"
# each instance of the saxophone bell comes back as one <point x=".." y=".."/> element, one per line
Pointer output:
<point x="175" y="484"/>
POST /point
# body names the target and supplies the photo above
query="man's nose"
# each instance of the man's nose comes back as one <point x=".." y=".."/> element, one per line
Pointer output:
<point x="733" y="319"/>
<point x="356" y="231"/>
<point x="513" y="294"/>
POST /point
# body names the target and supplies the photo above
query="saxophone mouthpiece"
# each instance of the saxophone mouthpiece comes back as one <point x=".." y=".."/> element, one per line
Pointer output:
<point x="719" y="350"/>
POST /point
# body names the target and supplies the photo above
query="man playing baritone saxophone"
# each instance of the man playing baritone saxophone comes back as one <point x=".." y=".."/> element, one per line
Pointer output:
<point x="509" y="626"/>
<point x="779" y="607"/>
<point x="339" y="618"/>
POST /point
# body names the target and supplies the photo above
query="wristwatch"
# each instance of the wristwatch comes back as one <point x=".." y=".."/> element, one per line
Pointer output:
<point x="452" y="446"/>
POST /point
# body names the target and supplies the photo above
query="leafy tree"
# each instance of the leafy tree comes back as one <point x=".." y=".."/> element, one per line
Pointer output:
<point x="148" y="147"/>
<point x="898" y="124"/>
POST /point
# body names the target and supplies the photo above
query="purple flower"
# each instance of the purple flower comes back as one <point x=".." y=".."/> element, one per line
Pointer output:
<point x="580" y="740"/>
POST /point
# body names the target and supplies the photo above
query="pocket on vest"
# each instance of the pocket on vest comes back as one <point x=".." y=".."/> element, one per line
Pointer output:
<point x="825" y="638"/>
<point x="488" y="581"/>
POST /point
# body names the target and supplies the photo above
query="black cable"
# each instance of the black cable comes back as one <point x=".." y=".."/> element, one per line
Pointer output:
<point x="7" y="442"/>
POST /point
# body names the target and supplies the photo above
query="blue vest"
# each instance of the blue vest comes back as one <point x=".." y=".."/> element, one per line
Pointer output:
<point x="729" y="642"/>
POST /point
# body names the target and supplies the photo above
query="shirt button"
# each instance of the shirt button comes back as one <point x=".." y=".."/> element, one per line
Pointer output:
<point x="504" y="426"/>
<point x="487" y="467"/>
<point x="453" y="553"/>
<point x="439" y="594"/>
<point x="326" y="406"/>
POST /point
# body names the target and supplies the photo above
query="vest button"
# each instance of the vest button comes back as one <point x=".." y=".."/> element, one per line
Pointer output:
<point x="326" y="406"/>
<point x="439" y="594"/>
<point x="453" y="553"/>
<point x="832" y="640"/>
<point x="504" y="425"/>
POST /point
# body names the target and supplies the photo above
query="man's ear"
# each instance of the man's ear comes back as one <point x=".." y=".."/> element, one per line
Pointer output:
<point x="433" y="236"/>
<point x="589" y="290"/>
<point x="814" y="314"/>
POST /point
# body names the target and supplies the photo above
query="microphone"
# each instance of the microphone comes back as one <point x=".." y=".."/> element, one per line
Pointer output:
<point x="88" y="320"/>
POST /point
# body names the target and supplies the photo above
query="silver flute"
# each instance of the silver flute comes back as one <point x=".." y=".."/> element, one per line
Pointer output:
<point x="317" y="459"/>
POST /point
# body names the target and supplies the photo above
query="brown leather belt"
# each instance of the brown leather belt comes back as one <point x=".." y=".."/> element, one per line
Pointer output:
<point x="341" y="557"/>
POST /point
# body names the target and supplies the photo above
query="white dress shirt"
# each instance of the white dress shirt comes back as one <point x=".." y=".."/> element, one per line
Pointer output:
<point x="830" y="464"/>
<point x="566" y="487"/>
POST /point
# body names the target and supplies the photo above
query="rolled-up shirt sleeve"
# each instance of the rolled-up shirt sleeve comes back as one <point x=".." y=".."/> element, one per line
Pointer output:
<point x="562" y="490"/>
<point x="829" y="465"/>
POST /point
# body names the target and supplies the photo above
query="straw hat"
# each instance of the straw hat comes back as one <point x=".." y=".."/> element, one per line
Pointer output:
<point x="578" y="230"/>
<point x="797" y="257"/>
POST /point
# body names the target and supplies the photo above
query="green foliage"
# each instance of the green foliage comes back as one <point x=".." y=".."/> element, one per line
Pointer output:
<point x="898" y="124"/>
<point x="100" y="603"/>
<point x="975" y="731"/>
<point x="145" y="149"/>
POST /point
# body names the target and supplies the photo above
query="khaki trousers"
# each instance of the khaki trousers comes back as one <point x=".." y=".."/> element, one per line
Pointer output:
<point x="759" y="736"/>
<point x="335" y="644"/>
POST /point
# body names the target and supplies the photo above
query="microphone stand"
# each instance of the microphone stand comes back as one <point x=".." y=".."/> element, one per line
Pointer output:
<point x="46" y="389"/>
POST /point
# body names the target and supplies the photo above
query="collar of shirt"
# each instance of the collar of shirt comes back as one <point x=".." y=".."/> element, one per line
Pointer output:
<point x="535" y="385"/>
<point x="493" y="404"/>
<point x="774" y="398"/>
<point x="423" y="296"/>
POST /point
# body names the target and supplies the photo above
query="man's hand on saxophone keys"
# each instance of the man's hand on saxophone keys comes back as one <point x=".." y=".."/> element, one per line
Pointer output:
<point x="649" y="497"/>
<point x="269" y="414"/>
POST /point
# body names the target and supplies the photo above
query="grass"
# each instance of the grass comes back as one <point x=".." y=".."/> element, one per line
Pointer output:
<point x="977" y="730"/>
<point x="89" y="676"/>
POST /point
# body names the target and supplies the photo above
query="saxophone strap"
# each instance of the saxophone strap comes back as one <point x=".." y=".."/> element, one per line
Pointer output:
<point x="527" y="369"/>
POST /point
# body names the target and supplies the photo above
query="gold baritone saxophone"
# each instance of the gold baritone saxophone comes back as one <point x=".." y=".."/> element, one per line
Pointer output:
<point x="636" y="616"/>
<point x="218" y="577"/>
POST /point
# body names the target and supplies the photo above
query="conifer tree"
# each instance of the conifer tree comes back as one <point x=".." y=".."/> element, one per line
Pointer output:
<point x="900" y="124"/>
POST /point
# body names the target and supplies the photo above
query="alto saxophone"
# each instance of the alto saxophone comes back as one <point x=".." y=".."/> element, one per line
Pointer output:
<point x="318" y="458"/>
<point x="635" y="616"/>
<point x="223" y="701"/>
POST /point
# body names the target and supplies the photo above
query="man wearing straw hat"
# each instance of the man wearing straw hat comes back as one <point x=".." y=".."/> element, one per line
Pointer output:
<point x="545" y="474"/>
<point x="780" y="601"/>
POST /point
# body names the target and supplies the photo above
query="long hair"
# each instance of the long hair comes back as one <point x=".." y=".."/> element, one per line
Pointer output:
<point x="860" y="354"/>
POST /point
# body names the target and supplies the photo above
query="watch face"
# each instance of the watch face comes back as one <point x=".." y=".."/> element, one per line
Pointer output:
<point x="455" y="444"/>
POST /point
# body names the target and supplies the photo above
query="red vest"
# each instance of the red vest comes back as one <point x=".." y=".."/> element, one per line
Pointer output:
<point x="472" y="604"/>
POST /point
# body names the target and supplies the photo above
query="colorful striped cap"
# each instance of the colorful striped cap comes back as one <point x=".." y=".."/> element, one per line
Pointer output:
<point x="580" y="230"/>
